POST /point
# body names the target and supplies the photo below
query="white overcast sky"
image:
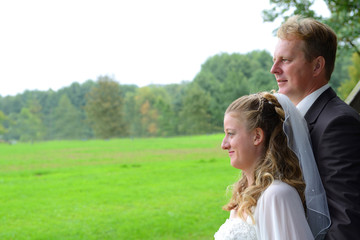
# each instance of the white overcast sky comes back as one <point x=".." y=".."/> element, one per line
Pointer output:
<point x="50" y="44"/>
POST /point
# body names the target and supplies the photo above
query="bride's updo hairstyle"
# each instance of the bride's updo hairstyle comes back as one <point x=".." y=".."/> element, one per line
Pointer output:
<point x="279" y="162"/>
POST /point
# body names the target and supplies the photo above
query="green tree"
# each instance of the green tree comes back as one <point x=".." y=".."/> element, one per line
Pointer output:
<point x="166" y="120"/>
<point x="12" y="104"/>
<point x="30" y="121"/>
<point x="28" y="126"/>
<point x="130" y="113"/>
<point x="262" y="80"/>
<point x="150" y="110"/>
<point x="354" y="73"/>
<point x="131" y="117"/>
<point x="195" y="117"/>
<point x="341" y="72"/>
<point x="176" y="92"/>
<point x="229" y="76"/>
<point x="49" y="102"/>
<point x="235" y="85"/>
<point x="104" y="109"/>
<point x="12" y="133"/>
<point x="261" y="60"/>
<point x="211" y="85"/>
<point x="3" y="118"/>
<point x="77" y="95"/>
<point x="68" y="122"/>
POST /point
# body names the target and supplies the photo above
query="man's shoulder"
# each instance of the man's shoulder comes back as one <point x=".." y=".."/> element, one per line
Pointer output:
<point x="338" y="108"/>
<point x="330" y="107"/>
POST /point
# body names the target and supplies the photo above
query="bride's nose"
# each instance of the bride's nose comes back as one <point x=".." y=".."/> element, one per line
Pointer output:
<point x="225" y="144"/>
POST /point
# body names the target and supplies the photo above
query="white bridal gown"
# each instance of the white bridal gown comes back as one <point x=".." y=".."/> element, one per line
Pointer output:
<point x="279" y="214"/>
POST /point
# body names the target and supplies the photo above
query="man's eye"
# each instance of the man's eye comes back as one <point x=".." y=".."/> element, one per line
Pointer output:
<point x="284" y="60"/>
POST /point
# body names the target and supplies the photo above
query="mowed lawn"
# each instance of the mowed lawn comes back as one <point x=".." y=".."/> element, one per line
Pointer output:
<point x="155" y="188"/>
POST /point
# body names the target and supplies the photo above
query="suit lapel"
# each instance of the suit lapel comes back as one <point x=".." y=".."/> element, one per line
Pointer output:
<point x="313" y="113"/>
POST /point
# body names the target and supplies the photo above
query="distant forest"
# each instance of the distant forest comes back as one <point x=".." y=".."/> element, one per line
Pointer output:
<point x="107" y="109"/>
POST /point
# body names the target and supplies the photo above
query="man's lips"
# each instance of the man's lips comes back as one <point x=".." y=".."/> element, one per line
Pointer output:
<point x="281" y="82"/>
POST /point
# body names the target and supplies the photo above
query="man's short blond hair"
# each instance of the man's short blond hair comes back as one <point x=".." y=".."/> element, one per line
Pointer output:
<point x="320" y="39"/>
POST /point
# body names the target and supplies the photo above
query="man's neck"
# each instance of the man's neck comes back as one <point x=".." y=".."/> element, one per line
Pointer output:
<point x="305" y="104"/>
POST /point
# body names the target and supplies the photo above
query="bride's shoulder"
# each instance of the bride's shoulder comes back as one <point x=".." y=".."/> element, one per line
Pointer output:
<point x="279" y="189"/>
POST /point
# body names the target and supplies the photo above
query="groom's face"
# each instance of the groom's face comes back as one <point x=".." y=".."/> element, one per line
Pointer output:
<point x="292" y="71"/>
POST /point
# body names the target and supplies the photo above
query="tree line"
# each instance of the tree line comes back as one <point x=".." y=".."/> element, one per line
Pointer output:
<point x="107" y="109"/>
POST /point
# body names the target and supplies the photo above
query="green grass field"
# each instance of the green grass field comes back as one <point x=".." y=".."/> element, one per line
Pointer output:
<point x="157" y="188"/>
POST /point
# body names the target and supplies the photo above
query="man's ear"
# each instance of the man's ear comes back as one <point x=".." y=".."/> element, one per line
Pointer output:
<point x="318" y="65"/>
<point x="259" y="136"/>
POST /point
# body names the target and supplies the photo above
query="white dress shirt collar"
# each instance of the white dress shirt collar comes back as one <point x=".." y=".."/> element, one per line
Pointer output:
<point x="309" y="100"/>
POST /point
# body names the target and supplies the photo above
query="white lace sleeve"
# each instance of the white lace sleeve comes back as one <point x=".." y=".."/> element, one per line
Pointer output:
<point x="236" y="229"/>
<point x="279" y="214"/>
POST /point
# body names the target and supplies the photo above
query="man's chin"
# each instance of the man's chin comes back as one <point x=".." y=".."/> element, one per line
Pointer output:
<point x="282" y="91"/>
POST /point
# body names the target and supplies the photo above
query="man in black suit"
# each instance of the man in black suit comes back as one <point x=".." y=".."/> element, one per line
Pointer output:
<point x="304" y="60"/>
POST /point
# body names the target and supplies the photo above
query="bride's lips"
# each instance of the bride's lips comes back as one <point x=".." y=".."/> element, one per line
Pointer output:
<point x="231" y="153"/>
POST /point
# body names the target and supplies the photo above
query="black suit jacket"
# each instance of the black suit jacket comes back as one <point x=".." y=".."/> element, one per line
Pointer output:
<point x="335" y="133"/>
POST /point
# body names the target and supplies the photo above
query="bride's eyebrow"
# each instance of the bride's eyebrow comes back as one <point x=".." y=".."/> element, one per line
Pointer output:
<point x="229" y="129"/>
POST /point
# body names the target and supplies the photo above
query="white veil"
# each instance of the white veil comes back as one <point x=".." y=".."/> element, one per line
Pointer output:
<point x="296" y="130"/>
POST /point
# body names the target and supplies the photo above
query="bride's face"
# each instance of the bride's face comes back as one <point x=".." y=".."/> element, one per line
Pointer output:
<point x="240" y="143"/>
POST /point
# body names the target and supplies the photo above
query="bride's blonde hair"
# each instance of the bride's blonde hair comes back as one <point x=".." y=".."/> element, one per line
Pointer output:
<point x="279" y="162"/>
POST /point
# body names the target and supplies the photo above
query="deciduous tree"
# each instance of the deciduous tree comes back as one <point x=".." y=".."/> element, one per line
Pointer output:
<point x="29" y="126"/>
<point x="195" y="116"/>
<point x="104" y="109"/>
<point x="2" y="119"/>
<point x="354" y="74"/>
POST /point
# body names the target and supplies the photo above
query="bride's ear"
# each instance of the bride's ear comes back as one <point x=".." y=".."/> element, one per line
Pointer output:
<point x="258" y="136"/>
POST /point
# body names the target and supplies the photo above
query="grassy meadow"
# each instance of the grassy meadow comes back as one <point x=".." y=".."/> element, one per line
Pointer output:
<point x="156" y="188"/>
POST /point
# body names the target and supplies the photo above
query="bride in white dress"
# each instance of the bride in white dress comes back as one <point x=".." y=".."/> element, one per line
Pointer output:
<point x="268" y="202"/>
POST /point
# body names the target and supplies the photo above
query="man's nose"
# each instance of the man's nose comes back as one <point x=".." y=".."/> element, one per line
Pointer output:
<point x="275" y="69"/>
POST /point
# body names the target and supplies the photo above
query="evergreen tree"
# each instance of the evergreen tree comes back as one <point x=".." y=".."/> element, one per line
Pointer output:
<point x="68" y="123"/>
